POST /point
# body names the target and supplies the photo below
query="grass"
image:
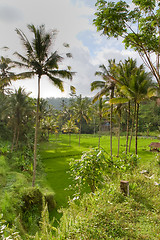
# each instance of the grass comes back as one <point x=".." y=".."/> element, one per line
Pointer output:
<point x="57" y="154"/>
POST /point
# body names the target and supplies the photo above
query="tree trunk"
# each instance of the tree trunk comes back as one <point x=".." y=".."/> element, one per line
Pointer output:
<point x="128" y="118"/>
<point x="133" y="120"/>
<point x="136" y="133"/>
<point x="130" y="141"/>
<point x="100" y="121"/>
<point x="112" y="95"/>
<point x="14" y="138"/>
<point x="17" y="138"/>
<point x="80" y="131"/>
<point x="119" y="129"/>
<point x="94" y="122"/>
<point x="36" y="134"/>
<point x="99" y="140"/>
<point x="69" y="139"/>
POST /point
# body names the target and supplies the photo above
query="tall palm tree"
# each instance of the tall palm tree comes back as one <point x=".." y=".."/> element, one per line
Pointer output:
<point x="107" y="87"/>
<point x="40" y="61"/>
<point x="70" y="127"/>
<point x="20" y="108"/>
<point x="81" y="111"/>
<point x="125" y="71"/>
<point x="6" y="73"/>
<point x="140" y="88"/>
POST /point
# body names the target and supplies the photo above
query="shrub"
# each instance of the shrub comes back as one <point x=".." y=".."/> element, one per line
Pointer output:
<point x="10" y="201"/>
<point x="95" y="165"/>
<point x="50" y="201"/>
<point x="89" y="169"/>
<point x="32" y="207"/>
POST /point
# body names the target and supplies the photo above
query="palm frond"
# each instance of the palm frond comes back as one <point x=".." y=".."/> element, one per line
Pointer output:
<point x="25" y="62"/>
<point x="99" y="95"/>
<point x="97" y="84"/>
<point x="56" y="81"/>
<point x="53" y="60"/>
<point x="25" y="42"/>
<point x="127" y="92"/>
<point x="24" y="75"/>
<point x="62" y="73"/>
<point x="118" y="100"/>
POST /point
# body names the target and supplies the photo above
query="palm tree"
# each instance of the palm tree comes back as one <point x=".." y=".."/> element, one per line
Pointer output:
<point x="81" y="111"/>
<point x="40" y="61"/>
<point x="6" y="75"/>
<point x="70" y="127"/>
<point x="106" y="86"/>
<point x="125" y="71"/>
<point x="20" y="108"/>
<point x="139" y="89"/>
<point x="118" y="112"/>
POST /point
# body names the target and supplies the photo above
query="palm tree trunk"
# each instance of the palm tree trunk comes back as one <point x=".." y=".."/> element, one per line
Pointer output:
<point x="99" y="137"/>
<point x="36" y="134"/>
<point x="94" y="122"/>
<point x="119" y="129"/>
<point x="69" y="139"/>
<point x="14" y="138"/>
<point x="17" y="138"/>
<point x="128" y="118"/>
<point x="136" y="133"/>
<point x="111" y="115"/>
<point x="133" y="121"/>
<point x="80" y="127"/>
<point x="131" y="135"/>
<point x="100" y="121"/>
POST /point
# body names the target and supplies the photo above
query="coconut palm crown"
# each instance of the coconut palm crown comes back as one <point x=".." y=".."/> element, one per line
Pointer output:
<point x="39" y="59"/>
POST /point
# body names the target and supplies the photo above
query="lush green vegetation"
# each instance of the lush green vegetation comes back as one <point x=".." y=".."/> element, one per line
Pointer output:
<point x="60" y="168"/>
<point x="56" y="155"/>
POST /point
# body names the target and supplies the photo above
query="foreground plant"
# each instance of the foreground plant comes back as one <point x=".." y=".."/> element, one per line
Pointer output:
<point x="89" y="169"/>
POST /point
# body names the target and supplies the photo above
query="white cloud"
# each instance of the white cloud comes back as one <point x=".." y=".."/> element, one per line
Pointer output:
<point x="69" y="19"/>
<point x="106" y="53"/>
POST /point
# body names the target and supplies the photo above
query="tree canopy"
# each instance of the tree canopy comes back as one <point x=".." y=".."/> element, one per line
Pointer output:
<point x="137" y="23"/>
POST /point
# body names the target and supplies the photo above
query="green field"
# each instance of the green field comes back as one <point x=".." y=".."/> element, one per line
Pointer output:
<point x="57" y="154"/>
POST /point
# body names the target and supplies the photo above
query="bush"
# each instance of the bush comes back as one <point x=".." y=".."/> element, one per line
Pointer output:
<point x="32" y="207"/>
<point x="89" y="169"/>
<point x="50" y="201"/>
<point x="95" y="165"/>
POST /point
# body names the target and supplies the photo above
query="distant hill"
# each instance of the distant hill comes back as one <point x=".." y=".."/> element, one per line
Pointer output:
<point x="58" y="102"/>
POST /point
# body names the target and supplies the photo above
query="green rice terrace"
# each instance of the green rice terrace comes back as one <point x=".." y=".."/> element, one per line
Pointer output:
<point x="105" y="214"/>
<point x="56" y="156"/>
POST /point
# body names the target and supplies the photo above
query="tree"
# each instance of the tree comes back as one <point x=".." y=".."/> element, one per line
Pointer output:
<point x="6" y="75"/>
<point x="125" y="70"/>
<point x="40" y="61"/>
<point x="81" y="111"/>
<point x="47" y="125"/>
<point x="20" y="108"/>
<point x="70" y="127"/>
<point x="106" y="86"/>
<point x="138" y="24"/>
<point x="139" y="89"/>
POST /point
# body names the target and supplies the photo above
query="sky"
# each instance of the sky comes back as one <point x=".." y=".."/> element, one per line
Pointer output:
<point x="74" y="21"/>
